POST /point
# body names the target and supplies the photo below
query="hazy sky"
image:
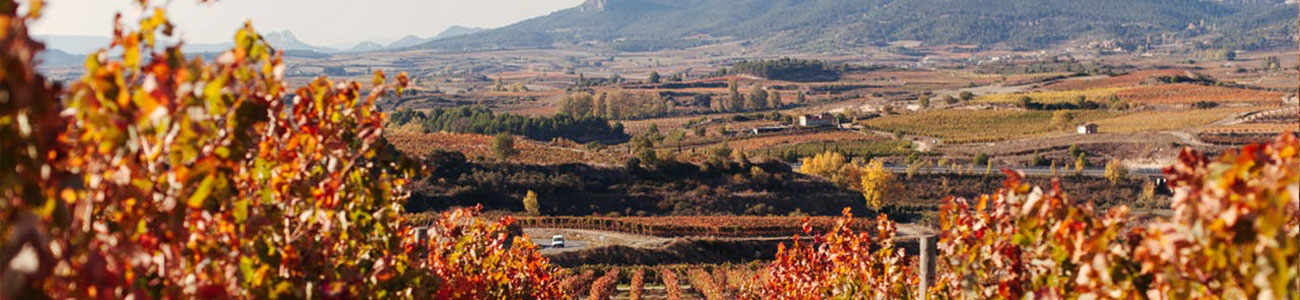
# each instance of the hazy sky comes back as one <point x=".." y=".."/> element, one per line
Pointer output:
<point x="319" y="22"/>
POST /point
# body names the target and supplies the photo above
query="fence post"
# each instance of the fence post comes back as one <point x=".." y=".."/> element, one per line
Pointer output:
<point x="928" y="247"/>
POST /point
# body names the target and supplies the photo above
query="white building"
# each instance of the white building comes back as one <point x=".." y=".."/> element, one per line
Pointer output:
<point x="818" y="120"/>
<point x="1088" y="128"/>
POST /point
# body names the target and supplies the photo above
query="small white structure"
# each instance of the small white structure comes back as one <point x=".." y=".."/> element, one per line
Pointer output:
<point x="1088" y="128"/>
<point x="818" y="120"/>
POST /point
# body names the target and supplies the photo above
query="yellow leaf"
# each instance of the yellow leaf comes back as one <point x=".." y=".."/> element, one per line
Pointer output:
<point x="200" y="194"/>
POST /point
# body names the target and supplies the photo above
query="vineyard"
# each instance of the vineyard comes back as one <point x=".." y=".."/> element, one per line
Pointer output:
<point x="1169" y="119"/>
<point x="765" y="142"/>
<point x="971" y="126"/>
<point x="861" y="148"/>
<point x="1052" y="97"/>
<point x="1191" y="93"/>
<point x="1126" y="80"/>
<point x="688" y="282"/>
<point x="478" y="147"/>
<point x="1261" y="128"/>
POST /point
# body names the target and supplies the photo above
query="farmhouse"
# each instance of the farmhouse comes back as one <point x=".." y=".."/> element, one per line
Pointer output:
<point x="818" y="120"/>
<point x="1088" y="128"/>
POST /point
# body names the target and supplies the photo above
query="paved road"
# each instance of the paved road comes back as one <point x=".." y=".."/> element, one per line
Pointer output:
<point x="1031" y="171"/>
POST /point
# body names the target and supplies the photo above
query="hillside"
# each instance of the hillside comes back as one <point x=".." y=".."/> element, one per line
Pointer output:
<point x="638" y="25"/>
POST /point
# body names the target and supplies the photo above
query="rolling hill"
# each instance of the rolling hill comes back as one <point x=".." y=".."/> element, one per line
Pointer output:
<point x="812" y="25"/>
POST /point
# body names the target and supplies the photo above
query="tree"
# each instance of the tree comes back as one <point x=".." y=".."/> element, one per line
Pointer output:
<point x="611" y="108"/>
<point x="966" y="96"/>
<point x="598" y="106"/>
<point x="654" y="77"/>
<point x="950" y="100"/>
<point x="1115" y="171"/>
<point x="1080" y="163"/>
<point x="737" y="102"/>
<point x="1026" y="102"/>
<point x="923" y="102"/>
<point x="576" y="104"/>
<point x="1063" y="118"/>
<point x="774" y="99"/>
<point x="800" y="98"/>
<point x="757" y="99"/>
<point x="877" y="183"/>
<point x="503" y="146"/>
<point x="530" y="204"/>
<point x="981" y="159"/>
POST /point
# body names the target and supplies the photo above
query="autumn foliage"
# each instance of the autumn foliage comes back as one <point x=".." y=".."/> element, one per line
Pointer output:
<point x="157" y="175"/>
<point x="840" y="264"/>
<point x="1233" y="236"/>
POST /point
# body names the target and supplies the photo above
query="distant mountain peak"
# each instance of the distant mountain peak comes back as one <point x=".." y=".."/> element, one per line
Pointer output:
<point x="594" y="5"/>
<point x="457" y="30"/>
<point x="286" y="40"/>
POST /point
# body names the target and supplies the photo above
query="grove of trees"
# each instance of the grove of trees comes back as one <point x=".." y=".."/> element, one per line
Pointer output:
<point x="481" y="120"/>
<point x="615" y="106"/>
<point x="790" y="69"/>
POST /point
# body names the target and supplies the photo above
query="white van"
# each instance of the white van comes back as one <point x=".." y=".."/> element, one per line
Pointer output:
<point x="557" y="241"/>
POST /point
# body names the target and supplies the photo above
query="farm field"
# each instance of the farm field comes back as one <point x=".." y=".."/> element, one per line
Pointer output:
<point x="968" y="126"/>
<point x="753" y="144"/>
<point x="1169" y="119"/>
<point x="1051" y="97"/>
<point x="1130" y="79"/>
<point x="477" y="147"/>
<point x="1269" y="128"/>
<point x="860" y="148"/>
<point x="1189" y="93"/>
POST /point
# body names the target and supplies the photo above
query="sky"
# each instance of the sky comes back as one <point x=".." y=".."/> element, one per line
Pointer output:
<point x="317" y="22"/>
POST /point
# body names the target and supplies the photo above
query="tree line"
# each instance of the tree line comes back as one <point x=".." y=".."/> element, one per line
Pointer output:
<point x="480" y="120"/>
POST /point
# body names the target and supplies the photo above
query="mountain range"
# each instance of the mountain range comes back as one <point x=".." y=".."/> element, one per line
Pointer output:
<point x="815" y="25"/>
<point x="285" y="40"/>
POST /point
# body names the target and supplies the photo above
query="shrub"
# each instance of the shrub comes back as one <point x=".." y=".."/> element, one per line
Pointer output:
<point x="1233" y="236"/>
<point x="840" y="264"/>
<point x="137" y="185"/>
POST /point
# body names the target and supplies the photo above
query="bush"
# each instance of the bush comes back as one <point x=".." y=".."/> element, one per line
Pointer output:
<point x="146" y="189"/>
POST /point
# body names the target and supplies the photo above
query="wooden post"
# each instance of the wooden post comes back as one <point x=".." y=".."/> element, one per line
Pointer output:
<point x="927" y="247"/>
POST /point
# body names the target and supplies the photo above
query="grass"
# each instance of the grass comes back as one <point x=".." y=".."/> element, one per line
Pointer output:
<point x="969" y="126"/>
<point x="1048" y="97"/>
<point x="1166" y="120"/>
